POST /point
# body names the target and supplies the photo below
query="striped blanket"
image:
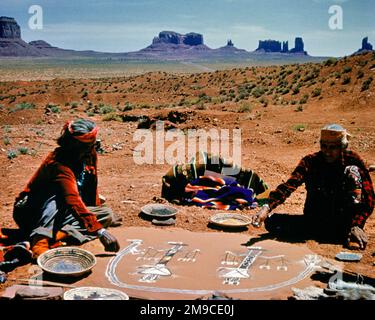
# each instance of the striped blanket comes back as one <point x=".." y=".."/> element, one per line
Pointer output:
<point x="218" y="192"/>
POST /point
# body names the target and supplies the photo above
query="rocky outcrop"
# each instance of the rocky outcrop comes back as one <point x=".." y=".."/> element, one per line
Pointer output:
<point x="11" y="44"/>
<point x="269" y="46"/>
<point x="228" y="51"/>
<point x="299" y="46"/>
<point x="275" y="46"/>
<point x="174" y="38"/>
<point x="285" y="47"/>
<point x="9" y="28"/>
<point x="193" y="39"/>
<point x="366" y="46"/>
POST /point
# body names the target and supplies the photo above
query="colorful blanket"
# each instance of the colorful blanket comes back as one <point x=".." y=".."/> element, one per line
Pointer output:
<point x="222" y="193"/>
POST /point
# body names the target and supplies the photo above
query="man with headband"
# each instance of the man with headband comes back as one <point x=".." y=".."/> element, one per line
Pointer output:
<point x="61" y="200"/>
<point x="340" y="195"/>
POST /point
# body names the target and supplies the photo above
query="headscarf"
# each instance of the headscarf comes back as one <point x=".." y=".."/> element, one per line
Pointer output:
<point x="82" y="130"/>
<point x="334" y="133"/>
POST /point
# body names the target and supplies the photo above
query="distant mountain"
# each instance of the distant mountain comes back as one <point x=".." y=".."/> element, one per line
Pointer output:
<point x="11" y="44"/>
<point x="168" y="45"/>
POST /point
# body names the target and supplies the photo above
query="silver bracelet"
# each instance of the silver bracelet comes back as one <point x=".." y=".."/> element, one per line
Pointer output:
<point x="268" y="207"/>
<point x="100" y="232"/>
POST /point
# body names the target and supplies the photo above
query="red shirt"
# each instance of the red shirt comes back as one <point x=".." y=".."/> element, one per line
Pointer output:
<point x="58" y="174"/>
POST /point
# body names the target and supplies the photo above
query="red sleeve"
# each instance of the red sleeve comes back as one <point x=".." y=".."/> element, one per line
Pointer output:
<point x="66" y="182"/>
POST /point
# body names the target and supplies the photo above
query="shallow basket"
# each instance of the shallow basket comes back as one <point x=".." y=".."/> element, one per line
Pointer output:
<point x="94" y="293"/>
<point x="230" y="220"/>
<point x="67" y="261"/>
<point x="159" y="210"/>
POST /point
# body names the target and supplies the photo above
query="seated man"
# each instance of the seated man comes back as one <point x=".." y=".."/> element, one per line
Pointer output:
<point x="61" y="199"/>
<point x="212" y="181"/>
<point x="340" y="194"/>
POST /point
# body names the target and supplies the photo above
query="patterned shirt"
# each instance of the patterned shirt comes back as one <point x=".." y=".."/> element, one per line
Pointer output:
<point x="324" y="185"/>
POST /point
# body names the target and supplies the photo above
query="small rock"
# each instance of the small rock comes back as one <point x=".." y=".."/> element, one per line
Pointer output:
<point x="371" y="168"/>
<point x="51" y="121"/>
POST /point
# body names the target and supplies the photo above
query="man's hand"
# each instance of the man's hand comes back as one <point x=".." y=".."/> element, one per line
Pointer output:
<point x="260" y="216"/>
<point x="109" y="242"/>
<point x="357" y="235"/>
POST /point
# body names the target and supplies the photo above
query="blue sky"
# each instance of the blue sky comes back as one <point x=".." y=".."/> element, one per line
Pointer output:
<point x="129" y="25"/>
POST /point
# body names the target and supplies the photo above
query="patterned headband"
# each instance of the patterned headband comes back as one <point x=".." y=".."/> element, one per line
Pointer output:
<point x="88" y="137"/>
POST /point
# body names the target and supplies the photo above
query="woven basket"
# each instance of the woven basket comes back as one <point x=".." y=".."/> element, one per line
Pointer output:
<point x="230" y="220"/>
<point x="159" y="210"/>
<point x="67" y="261"/>
<point x="94" y="293"/>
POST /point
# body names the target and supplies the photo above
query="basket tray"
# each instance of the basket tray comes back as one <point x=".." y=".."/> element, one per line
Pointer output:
<point x="230" y="220"/>
<point x="348" y="256"/>
<point x="159" y="210"/>
<point x="67" y="261"/>
<point x="94" y="293"/>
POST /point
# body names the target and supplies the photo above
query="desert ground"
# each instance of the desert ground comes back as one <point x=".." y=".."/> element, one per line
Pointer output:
<point x="279" y="109"/>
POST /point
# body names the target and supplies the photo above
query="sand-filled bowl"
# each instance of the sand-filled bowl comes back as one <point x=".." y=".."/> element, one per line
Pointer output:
<point x="230" y="220"/>
<point x="67" y="261"/>
<point x="159" y="210"/>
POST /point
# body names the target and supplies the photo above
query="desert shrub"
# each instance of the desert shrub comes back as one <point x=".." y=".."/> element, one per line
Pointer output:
<point x="204" y="97"/>
<point x="201" y="106"/>
<point x="285" y="91"/>
<point x="299" y="108"/>
<point x="74" y="105"/>
<point x="330" y="62"/>
<point x="105" y="109"/>
<point x="23" y="106"/>
<point x="296" y="90"/>
<point x="54" y="108"/>
<point x="85" y="93"/>
<point x="347" y="69"/>
<point x="257" y="92"/>
<point x="128" y="106"/>
<point x="346" y="80"/>
<point x="245" y="107"/>
<point x="11" y="154"/>
<point x="304" y="99"/>
<point x="111" y="117"/>
<point x="316" y="92"/>
<point x="360" y="74"/>
<point x="6" y="141"/>
<point x="23" y="150"/>
<point x="366" y="84"/>
<point x="337" y="75"/>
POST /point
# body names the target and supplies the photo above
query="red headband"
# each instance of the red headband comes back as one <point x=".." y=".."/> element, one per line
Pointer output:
<point x="85" y="138"/>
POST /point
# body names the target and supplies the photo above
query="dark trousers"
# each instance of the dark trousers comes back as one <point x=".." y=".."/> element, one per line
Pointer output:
<point x="302" y="227"/>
